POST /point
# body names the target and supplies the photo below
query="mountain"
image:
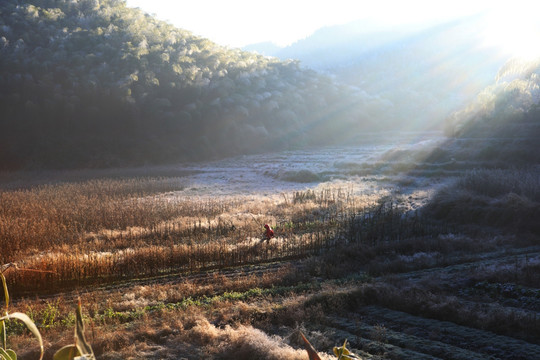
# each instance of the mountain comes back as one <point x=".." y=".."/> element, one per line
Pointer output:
<point x="422" y="73"/>
<point x="93" y="83"/>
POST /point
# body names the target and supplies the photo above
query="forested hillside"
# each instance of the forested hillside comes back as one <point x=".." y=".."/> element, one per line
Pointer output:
<point x="504" y="119"/>
<point x="514" y="96"/>
<point x="95" y="83"/>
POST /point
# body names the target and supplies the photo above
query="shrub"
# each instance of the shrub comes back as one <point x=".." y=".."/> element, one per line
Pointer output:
<point x="301" y="176"/>
<point x="498" y="182"/>
<point x="494" y="197"/>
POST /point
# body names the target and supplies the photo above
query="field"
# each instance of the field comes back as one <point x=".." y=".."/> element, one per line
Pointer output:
<point x="395" y="246"/>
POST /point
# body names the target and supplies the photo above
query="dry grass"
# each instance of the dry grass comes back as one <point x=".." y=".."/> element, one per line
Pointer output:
<point x="89" y="232"/>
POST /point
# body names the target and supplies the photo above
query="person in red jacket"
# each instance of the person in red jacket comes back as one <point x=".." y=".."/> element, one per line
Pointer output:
<point x="269" y="233"/>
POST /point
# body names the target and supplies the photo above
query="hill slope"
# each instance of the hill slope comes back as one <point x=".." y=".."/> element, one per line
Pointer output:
<point x="94" y="83"/>
<point x="502" y="124"/>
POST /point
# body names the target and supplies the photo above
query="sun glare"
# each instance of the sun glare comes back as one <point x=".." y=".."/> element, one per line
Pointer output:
<point x="515" y="30"/>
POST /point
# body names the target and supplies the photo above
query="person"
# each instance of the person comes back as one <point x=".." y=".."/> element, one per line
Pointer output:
<point x="269" y="233"/>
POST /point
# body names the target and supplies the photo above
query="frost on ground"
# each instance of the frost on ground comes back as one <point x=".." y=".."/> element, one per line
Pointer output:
<point x="271" y="175"/>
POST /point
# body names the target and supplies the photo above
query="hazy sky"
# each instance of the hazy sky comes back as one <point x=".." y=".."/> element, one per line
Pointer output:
<point x="241" y="22"/>
<point x="237" y="23"/>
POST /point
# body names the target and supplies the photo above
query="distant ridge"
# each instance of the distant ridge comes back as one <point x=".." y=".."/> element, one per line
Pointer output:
<point x="422" y="73"/>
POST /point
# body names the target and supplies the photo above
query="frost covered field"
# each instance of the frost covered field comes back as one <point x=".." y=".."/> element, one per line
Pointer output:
<point x="400" y="247"/>
<point x="298" y="170"/>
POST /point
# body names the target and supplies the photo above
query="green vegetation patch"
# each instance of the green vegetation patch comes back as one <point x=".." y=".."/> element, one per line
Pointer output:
<point x="301" y="176"/>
